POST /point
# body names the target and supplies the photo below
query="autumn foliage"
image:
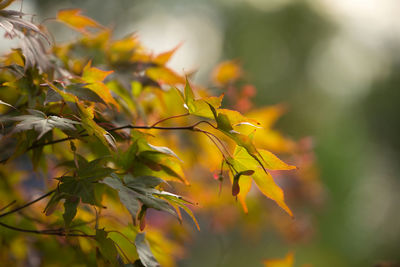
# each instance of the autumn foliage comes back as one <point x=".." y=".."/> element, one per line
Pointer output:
<point x="99" y="132"/>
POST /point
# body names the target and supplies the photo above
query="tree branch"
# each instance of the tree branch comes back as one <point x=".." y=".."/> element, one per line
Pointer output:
<point x="129" y="126"/>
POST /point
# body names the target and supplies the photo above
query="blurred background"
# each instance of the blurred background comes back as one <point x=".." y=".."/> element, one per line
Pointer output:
<point x="334" y="63"/>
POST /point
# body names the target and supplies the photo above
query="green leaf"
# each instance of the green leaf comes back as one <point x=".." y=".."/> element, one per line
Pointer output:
<point x="106" y="246"/>
<point x="146" y="256"/>
<point x="128" y="197"/>
<point x="142" y="181"/>
<point x="164" y="150"/>
<point x="53" y="202"/>
<point x="87" y="115"/>
<point x="83" y="188"/>
<point x="180" y="202"/>
<point x="84" y="93"/>
<point x="200" y="107"/>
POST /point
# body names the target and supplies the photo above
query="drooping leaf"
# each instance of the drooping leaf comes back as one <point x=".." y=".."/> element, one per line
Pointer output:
<point x="146" y="256"/>
<point x="180" y="202"/>
<point x="128" y="197"/>
<point x="235" y="183"/>
<point x="4" y="103"/>
<point x="70" y="209"/>
<point x="164" y="150"/>
<point x="132" y="191"/>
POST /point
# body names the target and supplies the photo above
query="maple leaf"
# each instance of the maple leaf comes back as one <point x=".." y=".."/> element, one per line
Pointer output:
<point x="41" y="123"/>
<point x="74" y="19"/>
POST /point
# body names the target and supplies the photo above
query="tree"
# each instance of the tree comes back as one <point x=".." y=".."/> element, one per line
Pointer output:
<point x="95" y="127"/>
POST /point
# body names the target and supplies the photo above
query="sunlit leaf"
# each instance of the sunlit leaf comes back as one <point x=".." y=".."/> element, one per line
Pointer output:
<point x="164" y="75"/>
<point x="74" y="19"/>
<point x="200" y="107"/>
<point x="243" y="161"/>
<point x="87" y="115"/>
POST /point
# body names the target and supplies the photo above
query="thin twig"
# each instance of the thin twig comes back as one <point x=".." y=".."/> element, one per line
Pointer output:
<point x="168" y="118"/>
<point x="8" y="205"/>
<point x="27" y="204"/>
<point x="43" y="232"/>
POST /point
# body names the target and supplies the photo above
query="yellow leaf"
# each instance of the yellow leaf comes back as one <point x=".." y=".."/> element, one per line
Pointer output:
<point x="285" y="262"/>
<point x="243" y="161"/>
<point x="165" y="75"/>
<point x="272" y="162"/>
<point x="245" y="186"/>
<point x="91" y="74"/>
<point x="87" y="115"/>
<point x="200" y="107"/>
<point x="235" y="117"/>
<point x="94" y="77"/>
<point x="75" y="20"/>
<point x="226" y="72"/>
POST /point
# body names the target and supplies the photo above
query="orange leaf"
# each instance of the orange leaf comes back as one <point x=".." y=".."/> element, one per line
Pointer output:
<point x="163" y="58"/>
<point x="73" y="19"/>
<point x="165" y="75"/>
<point x="226" y="72"/>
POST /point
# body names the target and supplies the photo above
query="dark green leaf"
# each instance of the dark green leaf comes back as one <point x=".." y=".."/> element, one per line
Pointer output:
<point x="83" y="188"/>
<point x="70" y="208"/>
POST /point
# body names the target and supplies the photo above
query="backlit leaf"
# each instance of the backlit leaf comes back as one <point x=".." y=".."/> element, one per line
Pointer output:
<point x="243" y="161"/>
<point x="74" y="19"/>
